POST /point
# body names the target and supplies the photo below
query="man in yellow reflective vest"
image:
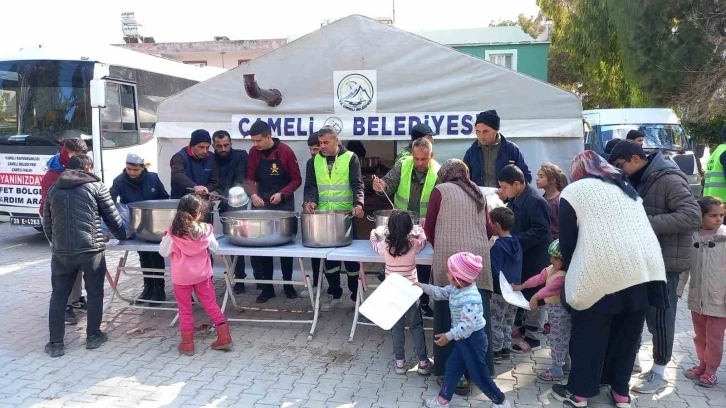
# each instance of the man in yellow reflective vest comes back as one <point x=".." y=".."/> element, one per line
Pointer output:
<point x="410" y="182"/>
<point x="421" y="130"/>
<point x="333" y="181"/>
<point x="715" y="184"/>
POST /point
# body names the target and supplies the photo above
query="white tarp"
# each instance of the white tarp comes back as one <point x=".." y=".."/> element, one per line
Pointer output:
<point x="375" y="82"/>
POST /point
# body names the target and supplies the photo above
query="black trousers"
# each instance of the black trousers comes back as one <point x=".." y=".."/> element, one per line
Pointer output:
<point x="64" y="270"/>
<point x="603" y="348"/>
<point x="662" y="322"/>
<point x="442" y="324"/>
<point x="152" y="260"/>
<point x="316" y="270"/>
<point x="266" y="266"/>
<point x="424" y="276"/>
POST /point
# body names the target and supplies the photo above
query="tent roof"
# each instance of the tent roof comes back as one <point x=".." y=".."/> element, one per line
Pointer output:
<point x="413" y="75"/>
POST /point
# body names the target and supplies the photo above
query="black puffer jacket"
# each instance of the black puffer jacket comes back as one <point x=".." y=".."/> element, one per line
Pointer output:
<point x="72" y="214"/>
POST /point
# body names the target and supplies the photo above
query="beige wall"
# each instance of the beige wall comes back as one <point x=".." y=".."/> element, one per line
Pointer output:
<point x="214" y="59"/>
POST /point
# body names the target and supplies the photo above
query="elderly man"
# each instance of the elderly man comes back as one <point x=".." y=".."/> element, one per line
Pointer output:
<point x="715" y="184"/>
<point x="421" y="130"/>
<point x="273" y="175"/>
<point x="491" y="152"/>
<point x="232" y="172"/>
<point x="674" y="215"/>
<point x="333" y="181"/>
<point x="193" y="168"/>
<point x="77" y="244"/>
<point x="134" y="184"/>
<point x="56" y="166"/>
<point x="411" y="181"/>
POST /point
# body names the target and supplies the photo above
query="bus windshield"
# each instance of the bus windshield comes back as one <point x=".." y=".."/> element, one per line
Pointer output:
<point x="43" y="103"/>
<point x="657" y="136"/>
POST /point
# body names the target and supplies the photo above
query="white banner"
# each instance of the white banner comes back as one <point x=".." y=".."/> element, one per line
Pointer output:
<point x="20" y="176"/>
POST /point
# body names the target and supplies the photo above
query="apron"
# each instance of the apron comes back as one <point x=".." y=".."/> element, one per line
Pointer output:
<point x="271" y="177"/>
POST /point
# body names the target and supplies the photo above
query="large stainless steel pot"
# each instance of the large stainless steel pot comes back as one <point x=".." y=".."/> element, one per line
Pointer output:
<point x="150" y="219"/>
<point x="259" y="228"/>
<point x="327" y="229"/>
<point x="381" y="217"/>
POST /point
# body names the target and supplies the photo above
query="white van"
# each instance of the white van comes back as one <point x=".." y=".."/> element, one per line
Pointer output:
<point x="662" y="130"/>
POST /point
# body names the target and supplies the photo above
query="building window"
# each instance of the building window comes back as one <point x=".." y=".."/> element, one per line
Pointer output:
<point x="197" y="63"/>
<point x="242" y="61"/>
<point x="505" y="58"/>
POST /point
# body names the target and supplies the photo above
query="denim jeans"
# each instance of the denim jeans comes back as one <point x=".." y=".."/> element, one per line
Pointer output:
<point x="64" y="271"/>
<point x="414" y="321"/>
<point x="469" y="355"/>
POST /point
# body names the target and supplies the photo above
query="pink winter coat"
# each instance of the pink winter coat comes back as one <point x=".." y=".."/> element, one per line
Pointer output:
<point x="190" y="261"/>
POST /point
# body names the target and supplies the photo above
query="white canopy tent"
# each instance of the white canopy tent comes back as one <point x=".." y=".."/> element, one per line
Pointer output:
<point x="375" y="82"/>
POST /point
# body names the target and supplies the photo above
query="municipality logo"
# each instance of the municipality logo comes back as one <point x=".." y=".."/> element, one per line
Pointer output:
<point x="334" y="123"/>
<point x="355" y="92"/>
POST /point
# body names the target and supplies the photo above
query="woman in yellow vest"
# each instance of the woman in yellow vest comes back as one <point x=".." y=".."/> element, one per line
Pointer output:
<point x="715" y="184"/>
<point x="333" y="181"/>
<point x="411" y="181"/>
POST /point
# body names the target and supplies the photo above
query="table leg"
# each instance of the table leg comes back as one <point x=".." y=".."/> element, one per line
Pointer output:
<point x="114" y="282"/>
<point x="229" y="282"/>
<point x="316" y="307"/>
<point x="355" y="314"/>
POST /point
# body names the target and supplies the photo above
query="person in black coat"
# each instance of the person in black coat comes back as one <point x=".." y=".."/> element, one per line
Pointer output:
<point x="532" y="230"/>
<point x="232" y="169"/>
<point x="134" y="184"/>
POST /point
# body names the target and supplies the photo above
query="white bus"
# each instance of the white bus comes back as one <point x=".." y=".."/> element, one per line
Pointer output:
<point x="105" y="95"/>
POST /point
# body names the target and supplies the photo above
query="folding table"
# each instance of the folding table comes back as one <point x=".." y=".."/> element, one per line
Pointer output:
<point x="362" y="251"/>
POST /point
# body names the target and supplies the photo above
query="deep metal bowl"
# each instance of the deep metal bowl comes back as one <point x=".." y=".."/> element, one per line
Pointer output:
<point x="381" y="217"/>
<point x="259" y="228"/>
<point x="327" y="229"/>
<point x="150" y="219"/>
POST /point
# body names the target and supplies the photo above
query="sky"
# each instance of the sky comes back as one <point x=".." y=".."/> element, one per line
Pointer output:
<point x="99" y="21"/>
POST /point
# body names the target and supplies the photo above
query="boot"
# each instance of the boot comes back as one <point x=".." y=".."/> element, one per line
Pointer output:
<point x="224" y="340"/>
<point x="158" y="293"/>
<point x="146" y="293"/>
<point x="186" y="346"/>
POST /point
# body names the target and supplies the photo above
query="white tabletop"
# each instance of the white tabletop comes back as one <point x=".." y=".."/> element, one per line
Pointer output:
<point x="361" y="251"/>
<point x="294" y="249"/>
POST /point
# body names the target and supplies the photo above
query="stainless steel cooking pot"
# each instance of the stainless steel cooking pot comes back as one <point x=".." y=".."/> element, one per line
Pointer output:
<point x="381" y="217"/>
<point x="150" y="219"/>
<point x="259" y="228"/>
<point x="327" y="229"/>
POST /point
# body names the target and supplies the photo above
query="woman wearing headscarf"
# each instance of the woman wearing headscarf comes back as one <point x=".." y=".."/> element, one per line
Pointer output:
<point x="615" y="270"/>
<point x="457" y="220"/>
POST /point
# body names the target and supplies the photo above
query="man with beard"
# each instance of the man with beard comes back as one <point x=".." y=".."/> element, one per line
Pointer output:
<point x="232" y="169"/>
<point x="193" y="167"/>
<point x="134" y="184"/>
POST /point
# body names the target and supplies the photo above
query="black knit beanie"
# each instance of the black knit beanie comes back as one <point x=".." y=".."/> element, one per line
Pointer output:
<point x="260" y="128"/>
<point x="200" y="136"/>
<point x="489" y="118"/>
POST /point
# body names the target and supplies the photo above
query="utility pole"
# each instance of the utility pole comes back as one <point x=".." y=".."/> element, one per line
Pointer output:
<point x="394" y="13"/>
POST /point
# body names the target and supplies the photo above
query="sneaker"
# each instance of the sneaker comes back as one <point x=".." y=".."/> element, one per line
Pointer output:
<point x="433" y="402"/>
<point x="95" y="341"/>
<point x="80" y="304"/>
<point x="636" y="365"/>
<point x="306" y="293"/>
<point x="427" y="311"/>
<point x="497" y="357"/>
<point x="462" y="387"/>
<point x="425" y="367"/>
<point x="611" y="397"/>
<point x="239" y="288"/>
<point x="264" y="297"/>
<point x="290" y="292"/>
<point x="55" y="349"/>
<point x="650" y="383"/>
<point x="560" y="393"/>
<point x="504" y="404"/>
<point x="330" y="304"/>
<point x="70" y="317"/>
<point x="401" y="367"/>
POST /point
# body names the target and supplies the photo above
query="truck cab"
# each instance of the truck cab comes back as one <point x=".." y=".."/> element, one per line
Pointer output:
<point x="663" y="132"/>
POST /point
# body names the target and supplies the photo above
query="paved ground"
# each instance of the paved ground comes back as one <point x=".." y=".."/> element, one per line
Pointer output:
<point x="271" y="365"/>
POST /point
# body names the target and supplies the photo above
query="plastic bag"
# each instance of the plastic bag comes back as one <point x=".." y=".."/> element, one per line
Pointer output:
<point x="125" y="214"/>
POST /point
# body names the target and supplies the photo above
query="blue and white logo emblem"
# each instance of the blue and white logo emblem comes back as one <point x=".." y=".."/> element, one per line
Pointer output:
<point x="334" y="123"/>
<point x="355" y="92"/>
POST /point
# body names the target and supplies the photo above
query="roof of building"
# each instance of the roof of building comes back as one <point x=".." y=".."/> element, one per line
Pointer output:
<point x="477" y="36"/>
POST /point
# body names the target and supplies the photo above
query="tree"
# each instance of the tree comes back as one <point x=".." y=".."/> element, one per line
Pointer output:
<point x="530" y="25"/>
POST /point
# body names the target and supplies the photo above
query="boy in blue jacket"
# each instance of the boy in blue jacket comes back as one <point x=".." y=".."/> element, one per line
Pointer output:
<point x="134" y="184"/>
<point x="506" y="256"/>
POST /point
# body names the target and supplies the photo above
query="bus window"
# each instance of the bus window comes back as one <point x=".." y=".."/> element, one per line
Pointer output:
<point x="119" y="126"/>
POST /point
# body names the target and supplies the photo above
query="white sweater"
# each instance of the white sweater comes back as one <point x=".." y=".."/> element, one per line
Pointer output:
<point x="616" y="246"/>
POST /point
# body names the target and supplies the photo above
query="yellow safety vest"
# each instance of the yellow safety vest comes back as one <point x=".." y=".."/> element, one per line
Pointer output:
<point x="334" y="191"/>
<point x="403" y="193"/>
<point x="715" y="184"/>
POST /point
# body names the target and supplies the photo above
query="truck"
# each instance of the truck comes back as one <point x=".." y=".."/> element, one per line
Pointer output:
<point x="663" y="132"/>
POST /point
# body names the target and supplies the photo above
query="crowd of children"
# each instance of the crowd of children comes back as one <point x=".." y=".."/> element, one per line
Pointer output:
<point x="524" y="253"/>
